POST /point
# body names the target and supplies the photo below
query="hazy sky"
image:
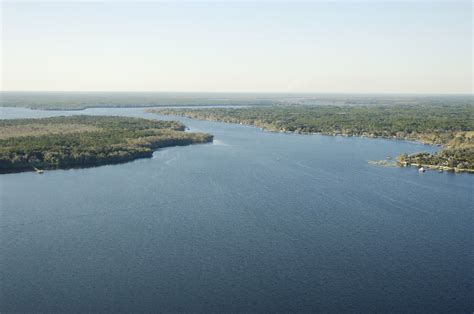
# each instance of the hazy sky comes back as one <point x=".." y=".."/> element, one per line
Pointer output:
<point x="399" y="47"/>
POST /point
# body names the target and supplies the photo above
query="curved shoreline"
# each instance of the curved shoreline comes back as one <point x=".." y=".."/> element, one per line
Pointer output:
<point x="98" y="164"/>
<point x="36" y="144"/>
<point x="270" y="127"/>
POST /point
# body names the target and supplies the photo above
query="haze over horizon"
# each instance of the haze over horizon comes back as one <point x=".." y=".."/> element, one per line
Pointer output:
<point x="342" y="47"/>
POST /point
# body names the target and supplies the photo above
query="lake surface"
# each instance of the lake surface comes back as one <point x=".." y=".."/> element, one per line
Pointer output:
<point x="256" y="221"/>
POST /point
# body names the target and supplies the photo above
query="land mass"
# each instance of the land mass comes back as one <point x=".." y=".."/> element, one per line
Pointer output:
<point x="86" y="141"/>
<point x="84" y="100"/>
<point x="450" y="126"/>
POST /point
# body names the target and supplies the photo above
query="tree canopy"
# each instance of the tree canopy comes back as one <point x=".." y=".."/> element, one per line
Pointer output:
<point x="80" y="141"/>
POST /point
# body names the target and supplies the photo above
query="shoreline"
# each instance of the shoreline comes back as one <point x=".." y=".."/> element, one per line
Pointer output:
<point x="36" y="144"/>
<point x="265" y="128"/>
<point x="442" y="168"/>
<point x="130" y="107"/>
<point x="397" y="164"/>
<point x="100" y="164"/>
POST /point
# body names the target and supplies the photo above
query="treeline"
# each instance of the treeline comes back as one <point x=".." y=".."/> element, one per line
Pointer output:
<point x="82" y="100"/>
<point x="377" y="121"/>
<point x="113" y="140"/>
<point x="448" y="125"/>
<point x="104" y="122"/>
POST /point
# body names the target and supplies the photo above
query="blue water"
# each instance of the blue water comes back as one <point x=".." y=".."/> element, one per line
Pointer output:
<point x="256" y="221"/>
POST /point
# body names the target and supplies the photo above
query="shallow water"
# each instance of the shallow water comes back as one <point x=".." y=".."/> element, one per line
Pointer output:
<point x="256" y="221"/>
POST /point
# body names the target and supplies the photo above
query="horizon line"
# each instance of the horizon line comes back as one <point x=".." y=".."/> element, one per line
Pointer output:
<point x="240" y="92"/>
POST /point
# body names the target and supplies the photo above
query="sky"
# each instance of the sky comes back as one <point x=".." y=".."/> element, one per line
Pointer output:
<point x="263" y="46"/>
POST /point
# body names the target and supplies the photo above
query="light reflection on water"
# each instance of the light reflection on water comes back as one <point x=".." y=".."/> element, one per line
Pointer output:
<point x="256" y="221"/>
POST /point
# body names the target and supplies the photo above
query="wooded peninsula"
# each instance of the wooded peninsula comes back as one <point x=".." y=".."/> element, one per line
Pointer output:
<point x="86" y="141"/>
<point x="450" y="126"/>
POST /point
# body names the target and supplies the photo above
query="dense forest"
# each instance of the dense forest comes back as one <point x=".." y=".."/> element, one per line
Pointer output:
<point x="81" y="141"/>
<point x="448" y="125"/>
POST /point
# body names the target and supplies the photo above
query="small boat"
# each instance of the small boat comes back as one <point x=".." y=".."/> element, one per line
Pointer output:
<point x="421" y="169"/>
<point x="39" y="171"/>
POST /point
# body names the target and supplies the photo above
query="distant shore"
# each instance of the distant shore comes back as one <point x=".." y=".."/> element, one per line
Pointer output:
<point x="128" y="106"/>
<point x="448" y="127"/>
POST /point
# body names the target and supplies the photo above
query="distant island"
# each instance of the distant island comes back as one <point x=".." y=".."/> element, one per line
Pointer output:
<point x="85" y="141"/>
<point x="450" y="126"/>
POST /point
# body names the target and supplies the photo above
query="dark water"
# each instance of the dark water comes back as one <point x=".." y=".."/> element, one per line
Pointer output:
<point x="256" y="221"/>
